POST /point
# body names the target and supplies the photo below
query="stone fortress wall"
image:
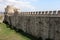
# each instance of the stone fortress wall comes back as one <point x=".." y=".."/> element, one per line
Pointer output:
<point x="44" y="24"/>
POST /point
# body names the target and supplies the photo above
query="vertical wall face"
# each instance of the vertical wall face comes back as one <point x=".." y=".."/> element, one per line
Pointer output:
<point x="39" y="24"/>
<point x="54" y="27"/>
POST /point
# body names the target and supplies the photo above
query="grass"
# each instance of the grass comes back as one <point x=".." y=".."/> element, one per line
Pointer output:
<point x="8" y="34"/>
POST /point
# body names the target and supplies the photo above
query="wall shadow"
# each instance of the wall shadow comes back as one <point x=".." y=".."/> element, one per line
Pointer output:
<point x="48" y="39"/>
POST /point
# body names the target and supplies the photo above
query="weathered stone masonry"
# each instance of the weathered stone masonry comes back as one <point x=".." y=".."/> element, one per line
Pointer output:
<point x="39" y="24"/>
<point x="45" y="24"/>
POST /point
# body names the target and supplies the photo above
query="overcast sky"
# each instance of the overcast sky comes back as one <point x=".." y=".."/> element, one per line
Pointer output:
<point x="31" y="5"/>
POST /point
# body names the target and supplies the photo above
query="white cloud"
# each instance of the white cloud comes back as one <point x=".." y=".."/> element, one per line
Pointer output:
<point x="23" y="5"/>
<point x="1" y="8"/>
<point x="1" y="0"/>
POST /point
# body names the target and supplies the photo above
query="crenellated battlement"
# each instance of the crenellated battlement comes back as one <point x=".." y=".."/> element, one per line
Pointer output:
<point x="37" y="13"/>
<point x="41" y="13"/>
